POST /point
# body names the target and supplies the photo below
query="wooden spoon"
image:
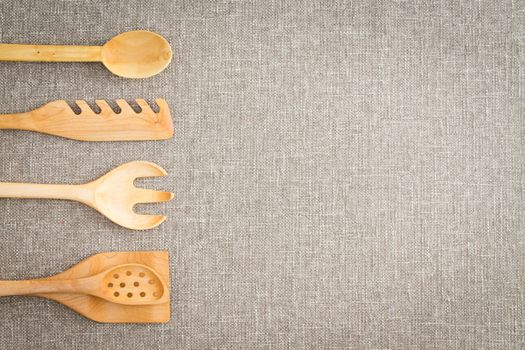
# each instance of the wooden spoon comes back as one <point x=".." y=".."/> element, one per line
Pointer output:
<point x="128" y="284"/>
<point x="135" y="54"/>
<point x="113" y="195"/>
<point x="102" y="310"/>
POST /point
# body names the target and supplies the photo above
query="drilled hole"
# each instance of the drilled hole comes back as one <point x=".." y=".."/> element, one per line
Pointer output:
<point x="115" y="276"/>
<point x="151" y="281"/>
<point x="130" y="295"/>
<point x="116" y="294"/>
<point x="128" y="273"/>
<point x="142" y="294"/>
<point x="122" y="285"/>
<point x="142" y="274"/>
<point x="136" y="284"/>
<point x="110" y="285"/>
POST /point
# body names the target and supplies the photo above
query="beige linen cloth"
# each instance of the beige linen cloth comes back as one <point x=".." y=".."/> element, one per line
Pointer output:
<point x="348" y="174"/>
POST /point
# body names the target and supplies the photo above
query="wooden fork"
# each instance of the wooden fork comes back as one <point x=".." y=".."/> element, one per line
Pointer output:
<point x="113" y="194"/>
<point x="57" y="118"/>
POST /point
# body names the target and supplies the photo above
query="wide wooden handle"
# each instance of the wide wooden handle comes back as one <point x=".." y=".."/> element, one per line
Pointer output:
<point x="28" y="287"/>
<point x="50" y="53"/>
<point x="29" y="190"/>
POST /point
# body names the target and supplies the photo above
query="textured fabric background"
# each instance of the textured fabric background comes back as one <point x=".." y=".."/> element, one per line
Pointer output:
<point x="347" y="174"/>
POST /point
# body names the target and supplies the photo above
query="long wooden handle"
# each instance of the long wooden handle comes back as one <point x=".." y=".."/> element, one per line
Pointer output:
<point x="50" y="53"/>
<point x="20" y="121"/>
<point x="28" y="287"/>
<point x="81" y="193"/>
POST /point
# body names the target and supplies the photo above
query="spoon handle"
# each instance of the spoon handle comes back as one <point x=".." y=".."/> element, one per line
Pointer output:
<point x="80" y="193"/>
<point x="50" y="53"/>
<point x="27" y="287"/>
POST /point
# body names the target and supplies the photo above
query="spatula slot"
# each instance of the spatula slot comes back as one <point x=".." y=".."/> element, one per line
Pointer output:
<point x="135" y="106"/>
<point x="114" y="106"/>
<point x="155" y="107"/>
<point x="94" y="107"/>
<point x="74" y="107"/>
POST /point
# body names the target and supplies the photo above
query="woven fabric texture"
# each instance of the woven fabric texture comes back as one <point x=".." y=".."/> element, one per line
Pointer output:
<point x="347" y="174"/>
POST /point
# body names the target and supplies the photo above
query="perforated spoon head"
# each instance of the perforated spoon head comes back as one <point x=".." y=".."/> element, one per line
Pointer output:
<point x="130" y="284"/>
<point x="136" y="54"/>
<point x="115" y="195"/>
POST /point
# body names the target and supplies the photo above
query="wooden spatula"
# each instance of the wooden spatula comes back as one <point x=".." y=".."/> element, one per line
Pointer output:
<point x="108" y="287"/>
<point x="57" y="118"/>
<point x="113" y="194"/>
<point x="135" y="54"/>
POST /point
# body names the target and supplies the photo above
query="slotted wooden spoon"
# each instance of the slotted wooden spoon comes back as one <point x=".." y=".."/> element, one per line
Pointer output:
<point x="135" y="54"/>
<point x="103" y="308"/>
<point x="129" y="284"/>
<point x="113" y="194"/>
<point x="57" y="118"/>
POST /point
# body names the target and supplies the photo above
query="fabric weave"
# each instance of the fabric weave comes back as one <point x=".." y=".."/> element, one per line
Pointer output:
<point x="347" y="174"/>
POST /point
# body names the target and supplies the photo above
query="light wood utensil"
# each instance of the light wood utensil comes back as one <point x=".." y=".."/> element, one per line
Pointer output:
<point x="96" y="298"/>
<point x="135" y="54"/>
<point x="113" y="194"/>
<point x="128" y="284"/>
<point x="57" y="118"/>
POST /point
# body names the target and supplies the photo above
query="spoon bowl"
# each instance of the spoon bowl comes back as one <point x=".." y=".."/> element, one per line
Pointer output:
<point x="130" y="284"/>
<point x="136" y="54"/>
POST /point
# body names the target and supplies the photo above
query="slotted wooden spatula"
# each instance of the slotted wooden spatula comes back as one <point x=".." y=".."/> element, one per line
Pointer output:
<point x="114" y="287"/>
<point x="57" y="118"/>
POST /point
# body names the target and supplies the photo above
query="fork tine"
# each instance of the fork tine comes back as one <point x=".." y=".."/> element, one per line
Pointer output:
<point x="146" y="221"/>
<point x="146" y="169"/>
<point x="143" y="195"/>
<point x="124" y="106"/>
